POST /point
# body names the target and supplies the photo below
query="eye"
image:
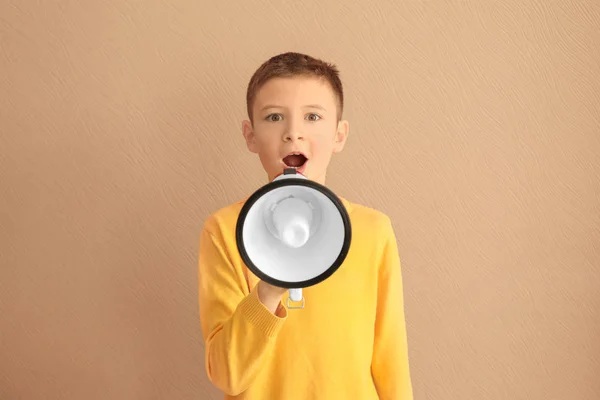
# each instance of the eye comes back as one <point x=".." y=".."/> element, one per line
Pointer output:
<point x="274" y="117"/>
<point x="313" y="117"/>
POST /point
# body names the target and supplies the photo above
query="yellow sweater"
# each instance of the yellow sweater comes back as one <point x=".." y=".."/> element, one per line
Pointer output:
<point x="348" y="343"/>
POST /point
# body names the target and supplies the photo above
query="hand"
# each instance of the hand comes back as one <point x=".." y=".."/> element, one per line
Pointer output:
<point x="270" y="295"/>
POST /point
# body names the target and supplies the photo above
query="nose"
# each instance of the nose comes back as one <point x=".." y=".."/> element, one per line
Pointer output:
<point x="291" y="136"/>
<point x="293" y="132"/>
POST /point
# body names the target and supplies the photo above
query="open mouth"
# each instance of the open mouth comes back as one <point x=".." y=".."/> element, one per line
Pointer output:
<point x="295" y="160"/>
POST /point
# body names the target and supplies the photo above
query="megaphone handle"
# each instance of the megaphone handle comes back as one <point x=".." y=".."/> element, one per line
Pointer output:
<point x="295" y="296"/>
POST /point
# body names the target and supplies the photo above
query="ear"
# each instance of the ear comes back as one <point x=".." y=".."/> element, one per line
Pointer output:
<point x="341" y="136"/>
<point x="248" y="132"/>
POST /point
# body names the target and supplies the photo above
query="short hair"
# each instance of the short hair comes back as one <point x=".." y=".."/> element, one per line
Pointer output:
<point x="291" y="64"/>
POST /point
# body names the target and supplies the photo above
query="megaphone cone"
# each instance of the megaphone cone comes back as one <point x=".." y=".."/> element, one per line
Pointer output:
<point x="293" y="233"/>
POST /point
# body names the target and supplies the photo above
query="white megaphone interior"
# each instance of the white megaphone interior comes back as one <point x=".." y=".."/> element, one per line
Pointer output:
<point x="271" y="255"/>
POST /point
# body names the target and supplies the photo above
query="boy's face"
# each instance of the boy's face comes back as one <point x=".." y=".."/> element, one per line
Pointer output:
<point x="295" y="115"/>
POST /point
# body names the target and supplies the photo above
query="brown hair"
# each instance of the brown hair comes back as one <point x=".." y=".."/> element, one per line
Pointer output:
<point x="291" y="64"/>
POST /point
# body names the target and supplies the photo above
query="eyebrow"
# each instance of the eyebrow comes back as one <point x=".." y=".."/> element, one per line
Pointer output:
<point x="318" y="106"/>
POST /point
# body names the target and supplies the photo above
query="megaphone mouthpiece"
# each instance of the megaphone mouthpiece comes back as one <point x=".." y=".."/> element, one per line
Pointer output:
<point x="292" y="218"/>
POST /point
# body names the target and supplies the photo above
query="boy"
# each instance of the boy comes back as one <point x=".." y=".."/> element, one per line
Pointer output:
<point x="349" y="342"/>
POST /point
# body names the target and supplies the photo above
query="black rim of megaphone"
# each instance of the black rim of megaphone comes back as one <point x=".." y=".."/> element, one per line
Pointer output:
<point x="289" y="182"/>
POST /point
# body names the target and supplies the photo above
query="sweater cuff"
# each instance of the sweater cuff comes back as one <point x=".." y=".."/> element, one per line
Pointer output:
<point x="260" y="316"/>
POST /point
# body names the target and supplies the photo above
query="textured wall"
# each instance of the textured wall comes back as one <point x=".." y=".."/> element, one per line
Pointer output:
<point x="476" y="127"/>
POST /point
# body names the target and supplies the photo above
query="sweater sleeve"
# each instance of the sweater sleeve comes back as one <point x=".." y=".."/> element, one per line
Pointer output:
<point x="390" y="366"/>
<point x="239" y="331"/>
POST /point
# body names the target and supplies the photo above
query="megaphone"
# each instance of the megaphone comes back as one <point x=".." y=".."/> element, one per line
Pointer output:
<point x="293" y="233"/>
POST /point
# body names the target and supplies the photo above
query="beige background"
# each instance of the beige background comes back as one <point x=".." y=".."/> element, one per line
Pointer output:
<point x="475" y="126"/>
